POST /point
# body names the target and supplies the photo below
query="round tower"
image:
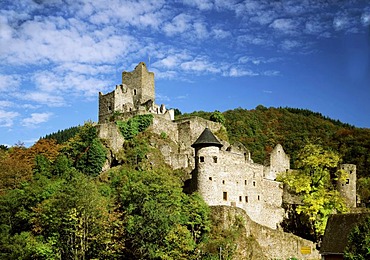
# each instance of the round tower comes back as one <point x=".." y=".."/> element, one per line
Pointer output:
<point x="207" y="160"/>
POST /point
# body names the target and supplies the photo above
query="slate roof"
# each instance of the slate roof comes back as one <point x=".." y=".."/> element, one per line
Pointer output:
<point x="206" y="139"/>
<point x="337" y="230"/>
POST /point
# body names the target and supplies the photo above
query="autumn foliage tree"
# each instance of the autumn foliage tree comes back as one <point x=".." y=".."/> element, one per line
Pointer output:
<point x="313" y="183"/>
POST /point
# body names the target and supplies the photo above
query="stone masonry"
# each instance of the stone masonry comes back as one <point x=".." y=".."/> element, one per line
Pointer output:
<point x="224" y="174"/>
<point x="136" y="95"/>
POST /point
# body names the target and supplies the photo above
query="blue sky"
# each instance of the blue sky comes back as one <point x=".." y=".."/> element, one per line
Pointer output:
<point x="56" y="55"/>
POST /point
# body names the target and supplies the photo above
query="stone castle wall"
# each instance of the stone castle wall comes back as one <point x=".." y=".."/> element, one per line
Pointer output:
<point x="230" y="179"/>
<point x="347" y="188"/>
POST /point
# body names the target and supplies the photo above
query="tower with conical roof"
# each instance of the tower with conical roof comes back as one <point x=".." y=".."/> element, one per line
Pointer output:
<point x="207" y="161"/>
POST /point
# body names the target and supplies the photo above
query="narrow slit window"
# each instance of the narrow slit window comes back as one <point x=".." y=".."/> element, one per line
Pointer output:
<point x="134" y="92"/>
<point x="245" y="182"/>
<point x="246" y="199"/>
<point x="254" y="183"/>
<point x="223" y="181"/>
<point x="215" y="159"/>
<point x="225" y="195"/>
<point x="240" y="198"/>
<point x="258" y="197"/>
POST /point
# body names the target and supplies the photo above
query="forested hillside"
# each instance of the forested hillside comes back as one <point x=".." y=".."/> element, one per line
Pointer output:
<point x="260" y="129"/>
<point x="56" y="203"/>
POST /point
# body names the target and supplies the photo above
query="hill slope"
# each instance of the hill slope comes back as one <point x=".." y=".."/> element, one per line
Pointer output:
<point x="260" y="129"/>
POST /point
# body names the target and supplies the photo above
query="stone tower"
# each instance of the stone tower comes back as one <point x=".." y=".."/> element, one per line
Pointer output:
<point x="140" y="83"/>
<point x="136" y="95"/>
<point x="207" y="150"/>
<point x="347" y="188"/>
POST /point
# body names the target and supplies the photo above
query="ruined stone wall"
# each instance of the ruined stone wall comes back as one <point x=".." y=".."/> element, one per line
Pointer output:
<point x="347" y="188"/>
<point x="228" y="178"/>
<point x="141" y="84"/>
<point x="123" y="99"/>
<point x="275" y="244"/>
<point x="106" y="105"/>
<point x="119" y="100"/>
<point x="279" y="162"/>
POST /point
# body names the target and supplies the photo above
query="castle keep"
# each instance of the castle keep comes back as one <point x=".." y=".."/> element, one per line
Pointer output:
<point x="136" y="95"/>
<point x="224" y="174"/>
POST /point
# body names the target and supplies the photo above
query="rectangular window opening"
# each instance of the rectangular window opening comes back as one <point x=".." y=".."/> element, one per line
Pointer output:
<point x="245" y="182"/>
<point x="210" y="178"/>
<point x="215" y="159"/>
<point x="254" y="183"/>
<point x="347" y="181"/>
<point x="246" y="199"/>
<point x="240" y="198"/>
<point x="225" y="195"/>
<point x="258" y="197"/>
<point x="201" y="159"/>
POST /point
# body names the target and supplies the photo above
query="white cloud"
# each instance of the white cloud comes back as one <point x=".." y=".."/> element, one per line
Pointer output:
<point x="52" y="39"/>
<point x="53" y="85"/>
<point x="7" y="118"/>
<point x="35" y="119"/>
<point x="257" y="60"/>
<point x="48" y="99"/>
<point x="220" y="33"/>
<point x="200" y="30"/>
<point x="5" y="103"/>
<point x="6" y="31"/>
<point x="200" y="4"/>
<point x="259" y="40"/>
<point x="340" y="23"/>
<point x="271" y="73"/>
<point x="315" y="27"/>
<point x="179" y="24"/>
<point x="237" y="72"/>
<point x="83" y="68"/>
<point x="9" y="82"/>
<point x="264" y="17"/>
<point x="141" y="14"/>
<point x="284" y="25"/>
<point x="200" y="65"/>
<point x="289" y="44"/>
<point x="365" y="19"/>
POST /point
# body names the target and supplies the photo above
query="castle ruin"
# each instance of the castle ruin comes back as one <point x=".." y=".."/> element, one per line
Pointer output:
<point x="222" y="173"/>
<point x="136" y="95"/>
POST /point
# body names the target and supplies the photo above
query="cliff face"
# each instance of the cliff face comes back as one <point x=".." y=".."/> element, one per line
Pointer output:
<point x="260" y="242"/>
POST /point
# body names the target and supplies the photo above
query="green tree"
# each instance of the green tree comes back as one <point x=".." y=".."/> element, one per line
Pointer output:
<point x="313" y="183"/>
<point x="358" y="247"/>
<point x="76" y="218"/>
<point x="134" y="125"/>
<point x="161" y="222"/>
<point x="86" y="151"/>
<point x="217" y="116"/>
